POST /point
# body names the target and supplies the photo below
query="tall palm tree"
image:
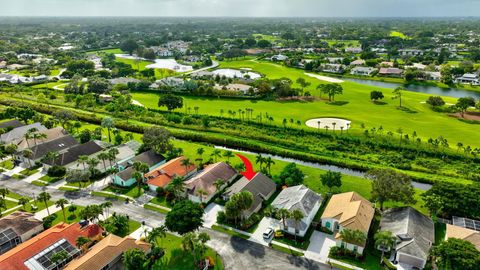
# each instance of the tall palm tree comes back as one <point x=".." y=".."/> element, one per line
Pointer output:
<point x="355" y="237"/>
<point x="297" y="216"/>
<point x="201" y="192"/>
<point x="112" y="154"/>
<point x="228" y="154"/>
<point x="186" y="163"/>
<point x="139" y="178"/>
<point x="218" y="184"/>
<point x="50" y="156"/>
<point x="3" y="205"/>
<point x="156" y="233"/>
<point x="81" y="242"/>
<point x="178" y="186"/>
<point x="103" y="156"/>
<point x="259" y="159"/>
<point x="23" y="201"/>
<point x="61" y="203"/>
<point x="106" y="206"/>
<point x="283" y="214"/>
<point x="38" y="136"/>
<point x="45" y="197"/>
<point x="28" y="154"/>
<point x="385" y="241"/>
<point x="108" y="123"/>
<point x="83" y="159"/>
<point x="268" y="163"/>
<point x="215" y="154"/>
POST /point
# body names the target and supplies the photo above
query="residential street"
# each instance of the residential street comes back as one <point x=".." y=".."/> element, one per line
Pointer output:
<point x="237" y="253"/>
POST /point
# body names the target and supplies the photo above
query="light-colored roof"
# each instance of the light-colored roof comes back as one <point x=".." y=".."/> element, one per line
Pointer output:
<point x="464" y="234"/>
<point x="297" y="197"/>
<point x="206" y="179"/>
<point x="351" y="210"/>
<point x="19" y="132"/>
<point x="106" y="251"/>
<point x="52" y="134"/>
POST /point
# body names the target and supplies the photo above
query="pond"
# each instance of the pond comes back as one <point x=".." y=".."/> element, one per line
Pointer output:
<point x="433" y="90"/>
<point x="234" y="73"/>
<point x="159" y="63"/>
<point x="333" y="168"/>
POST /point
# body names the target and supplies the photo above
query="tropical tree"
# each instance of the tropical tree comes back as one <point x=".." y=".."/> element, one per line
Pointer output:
<point x="355" y="237"/>
<point x="105" y="208"/>
<point x="397" y="94"/>
<point x="28" y="154"/>
<point x="158" y="139"/>
<point x="268" y="163"/>
<point x="283" y="214"/>
<point x="45" y="197"/>
<point x="332" y="90"/>
<point x="4" y="192"/>
<point x="134" y="259"/>
<point x="385" y="241"/>
<point x="389" y="185"/>
<point x="297" y="216"/>
<point x="3" y="205"/>
<point x="83" y="159"/>
<point x="178" y="186"/>
<point x="23" y="201"/>
<point x="218" y="184"/>
<point x="82" y="242"/>
<point x="331" y="179"/>
<point x="228" y="154"/>
<point x="139" y="178"/>
<point x="157" y="233"/>
<point x="201" y="192"/>
<point x="185" y="216"/>
<point x="107" y="122"/>
<point x="186" y="163"/>
<point x="259" y="159"/>
<point x="103" y="156"/>
<point x="456" y="254"/>
<point x="61" y="203"/>
<point x="434" y="204"/>
<point x="216" y="154"/>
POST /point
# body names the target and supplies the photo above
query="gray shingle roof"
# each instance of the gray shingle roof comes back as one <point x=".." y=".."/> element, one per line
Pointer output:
<point x="415" y="232"/>
<point x="12" y="123"/>
<point x="260" y="186"/>
<point x="74" y="152"/>
<point x="19" y="132"/>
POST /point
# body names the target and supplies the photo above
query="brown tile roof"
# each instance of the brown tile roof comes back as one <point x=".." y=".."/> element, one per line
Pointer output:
<point x="464" y="234"/>
<point x="106" y="251"/>
<point x="20" y="222"/>
<point x="164" y="174"/>
<point x="206" y="179"/>
<point x="14" y="259"/>
<point x="52" y="134"/>
<point x="352" y="211"/>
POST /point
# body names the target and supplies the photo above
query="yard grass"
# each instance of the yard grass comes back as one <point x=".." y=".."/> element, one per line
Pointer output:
<point x="440" y="232"/>
<point x="39" y="183"/>
<point x="28" y="172"/>
<point x="15" y="195"/>
<point x="7" y="164"/>
<point x="67" y="188"/>
<point x="398" y="34"/>
<point x="161" y="201"/>
<point x="229" y="232"/>
<point x="131" y="191"/>
<point x="18" y="176"/>
<point x="50" y="179"/>
<point x="359" y="109"/>
<point x="140" y="65"/>
<point x="133" y="225"/>
<point x="177" y="259"/>
<point x="107" y="196"/>
<point x="71" y="217"/>
<point x="156" y="209"/>
<point x="287" y="250"/>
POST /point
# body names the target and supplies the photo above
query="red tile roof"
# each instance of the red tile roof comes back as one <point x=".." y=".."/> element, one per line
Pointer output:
<point x="164" y="174"/>
<point x="14" y="259"/>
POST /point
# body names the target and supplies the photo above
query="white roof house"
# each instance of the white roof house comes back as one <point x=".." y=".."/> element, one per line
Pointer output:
<point x="298" y="198"/>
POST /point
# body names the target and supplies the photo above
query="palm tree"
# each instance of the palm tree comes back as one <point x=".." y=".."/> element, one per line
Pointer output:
<point x="61" y="203"/>
<point x="297" y="216"/>
<point x="355" y="237"/>
<point x="103" y="156"/>
<point x="334" y="124"/>
<point x="201" y="192"/>
<point x="259" y="159"/>
<point x="218" y="184"/>
<point x="186" y="163"/>
<point x="106" y="206"/>
<point x="28" y="154"/>
<point x="36" y="136"/>
<point x="81" y="242"/>
<point x="50" y="156"/>
<point x="112" y="155"/>
<point x="385" y="241"/>
<point x="268" y="163"/>
<point x="45" y="197"/>
<point x="156" y="233"/>
<point x="178" y="186"/>
<point x="283" y="214"/>
<point x="397" y="93"/>
<point x="92" y="164"/>
<point x="108" y="123"/>
<point x="228" y="154"/>
<point x="83" y="159"/>
<point x="139" y="178"/>
<point x="3" y="205"/>
<point x="4" y="192"/>
<point x="23" y="201"/>
<point x="215" y="154"/>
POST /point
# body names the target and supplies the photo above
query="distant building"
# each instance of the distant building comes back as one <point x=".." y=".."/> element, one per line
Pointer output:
<point x="279" y="57"/>
<point x="123" y="80"/>
<point x="391" y="72"/>
<point x="410" y="52"/>
<point x="358" y="62"/>
<point x="17" y="228"/>
<point x="125" y="178"/>
<point x="363" y="71"/>
<point x="333" y="68"/>
<point x="17" y="134"/>
<point x="353" y="50"/>
<point x="468" y="78"/>
<point x="462" y="233"/>
<point x="163" y="175"/>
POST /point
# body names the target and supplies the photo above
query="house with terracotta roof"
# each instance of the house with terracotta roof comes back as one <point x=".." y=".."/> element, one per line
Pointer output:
<point x="348" y="211"/>
<point x="125" y="178"/>
<point x="201" y="187"/>
<point x="17" y="228"/>
<point x="107" y="253"/>
<point x="37" y="252"/>
<point x="163" y="175"/>
<point x="462" y="233"/>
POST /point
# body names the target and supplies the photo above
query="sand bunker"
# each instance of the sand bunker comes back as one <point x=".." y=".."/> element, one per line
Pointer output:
<point x="331" y="123"/>
<point x="234" y="73"/>
<point x="324" y="78"/>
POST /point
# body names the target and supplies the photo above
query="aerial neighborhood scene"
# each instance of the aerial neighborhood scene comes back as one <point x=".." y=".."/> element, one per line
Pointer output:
<point x="239" y="134"/>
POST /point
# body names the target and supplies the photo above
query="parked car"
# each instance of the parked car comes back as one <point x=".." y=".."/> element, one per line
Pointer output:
<point x="268" y="233"/>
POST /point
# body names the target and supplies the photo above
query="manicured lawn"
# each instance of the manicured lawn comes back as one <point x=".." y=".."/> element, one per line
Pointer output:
<point x="14" y="195"/>
<point x="131" y="192"/>
<point x="156" y="209"/>
<point x="50" y="179"/>
<point x="18" y="176"/>
<point x="71" y="217"/>
<point x="176" y="259"/>
<point x="38" y="183"/>
<point x="28" y="172"/>
<point x="141" y="65"/>
<point x="107" y="195"/>
<point x="398" y="34"/>
<point x="359" y="109"/>
<point x="7" y="164"/>
<point x="67" y="188"/>
<point x="228" y="231"/>
<point x="286" y="250"/>
<point x="161" y="201"/>
<point x="132" y="226"/>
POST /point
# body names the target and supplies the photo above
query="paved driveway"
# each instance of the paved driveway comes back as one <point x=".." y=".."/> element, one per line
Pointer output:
<point x="210" y="215"/>
<point x="264" y="224"/>
<point x="320" y="244"/>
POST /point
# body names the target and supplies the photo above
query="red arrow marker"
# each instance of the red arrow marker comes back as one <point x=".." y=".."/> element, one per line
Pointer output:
<point x="249" y="173"/>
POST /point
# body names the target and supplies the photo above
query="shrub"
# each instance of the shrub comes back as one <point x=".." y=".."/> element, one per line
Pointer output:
<point x="221" y="217"/>
<point x="435" y="101"/>
<point x="175" y="118"/>
<point x="56" y="171"/>
<point x="48" y="220"/>
<point x="160" y="191"/>
<point x="187" y="120"/>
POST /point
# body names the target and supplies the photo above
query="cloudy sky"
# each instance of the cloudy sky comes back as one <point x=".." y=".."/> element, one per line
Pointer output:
<point x="242" y="8"/>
